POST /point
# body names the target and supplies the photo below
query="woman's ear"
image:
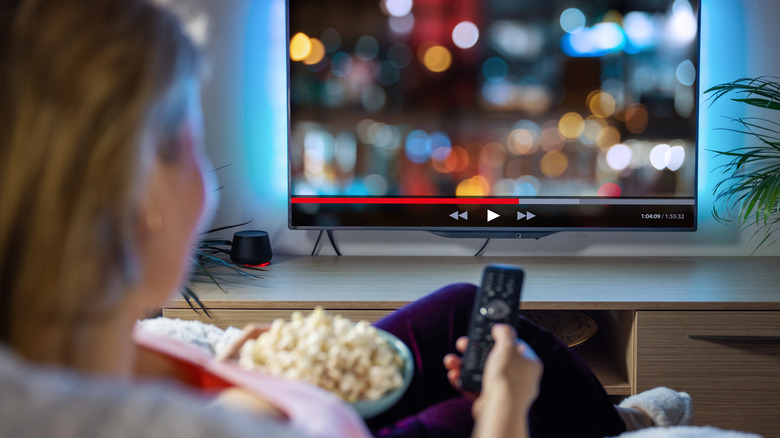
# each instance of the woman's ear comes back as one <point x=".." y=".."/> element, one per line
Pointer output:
<point x="149" y="217"/>
<point x="152" y="223"/>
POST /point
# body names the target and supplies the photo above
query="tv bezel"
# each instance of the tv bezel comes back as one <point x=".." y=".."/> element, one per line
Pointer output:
<point x="518" y="232"/>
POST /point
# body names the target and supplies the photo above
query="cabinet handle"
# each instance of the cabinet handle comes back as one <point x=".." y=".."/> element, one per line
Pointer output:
<point x="737" y="339"/>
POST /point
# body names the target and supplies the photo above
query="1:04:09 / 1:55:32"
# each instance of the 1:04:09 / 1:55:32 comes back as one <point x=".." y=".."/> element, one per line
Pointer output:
<point x="663" y="216"/>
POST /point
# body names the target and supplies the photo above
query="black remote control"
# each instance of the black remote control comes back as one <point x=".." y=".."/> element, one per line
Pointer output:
<point x="497" y="301"/>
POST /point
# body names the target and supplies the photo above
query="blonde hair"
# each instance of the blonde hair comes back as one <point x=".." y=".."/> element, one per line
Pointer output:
<point x="95" y="90"/>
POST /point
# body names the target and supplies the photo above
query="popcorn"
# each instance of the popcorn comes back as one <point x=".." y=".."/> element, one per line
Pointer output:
<point x="349" y="359"/>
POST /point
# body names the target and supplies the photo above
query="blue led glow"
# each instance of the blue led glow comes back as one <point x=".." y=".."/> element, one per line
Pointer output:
<point x="723" y="59"/>
<point x="264" y="90"/>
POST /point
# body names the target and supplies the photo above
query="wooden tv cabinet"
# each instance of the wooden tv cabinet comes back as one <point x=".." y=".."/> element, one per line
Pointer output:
<point x="706" y="325"/>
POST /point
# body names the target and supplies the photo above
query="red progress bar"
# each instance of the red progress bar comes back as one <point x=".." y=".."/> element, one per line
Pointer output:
<point x="304" y="200"/>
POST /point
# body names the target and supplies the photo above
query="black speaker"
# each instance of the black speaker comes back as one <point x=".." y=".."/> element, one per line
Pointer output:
<point x="251" y="247"/>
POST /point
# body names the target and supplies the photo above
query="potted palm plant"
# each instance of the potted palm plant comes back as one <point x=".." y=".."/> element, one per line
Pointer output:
<point x="749" y="192"/>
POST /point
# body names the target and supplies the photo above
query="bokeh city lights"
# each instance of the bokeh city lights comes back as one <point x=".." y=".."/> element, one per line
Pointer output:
<point x="479" y="98"/>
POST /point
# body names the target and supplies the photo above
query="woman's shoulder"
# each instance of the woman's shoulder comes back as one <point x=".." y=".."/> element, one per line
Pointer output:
<point x="39" y="401"/>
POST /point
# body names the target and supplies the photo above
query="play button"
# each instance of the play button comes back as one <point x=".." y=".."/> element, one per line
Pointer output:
<point x="491" y="215"/>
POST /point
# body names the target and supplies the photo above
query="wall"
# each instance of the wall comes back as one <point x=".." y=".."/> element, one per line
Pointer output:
<point x="245" y="109"/>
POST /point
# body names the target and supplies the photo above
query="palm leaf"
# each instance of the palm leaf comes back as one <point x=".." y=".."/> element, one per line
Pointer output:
<point x="765" y="86"/>
<point x="206" y="257"/>
<point x="761" y="103"/>
<point x="190" y="296"/>
<point x="750" y="184"/>
<point x="227" y="227"/>
<point x="205" y="270"/>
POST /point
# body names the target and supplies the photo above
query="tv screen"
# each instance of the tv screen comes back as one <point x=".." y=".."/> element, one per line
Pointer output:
<point x="493" y="117"/>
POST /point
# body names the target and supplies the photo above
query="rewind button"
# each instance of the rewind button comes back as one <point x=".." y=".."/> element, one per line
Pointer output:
<point x="460" y="215"/>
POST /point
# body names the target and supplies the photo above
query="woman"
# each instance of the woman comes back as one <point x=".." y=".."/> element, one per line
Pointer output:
<point x="103" y="184"/>
<point x="104" y="187"/>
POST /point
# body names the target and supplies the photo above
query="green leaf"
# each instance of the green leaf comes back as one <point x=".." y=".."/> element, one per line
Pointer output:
<point x="750" y="183"/>
<point x="205" y="257"/>
<point x="216" y="242"/>
<point x="227" y="227"/>
<point x="189" y="296"/>
<point x="761" y="103"/>
<point x="206" y="271"/>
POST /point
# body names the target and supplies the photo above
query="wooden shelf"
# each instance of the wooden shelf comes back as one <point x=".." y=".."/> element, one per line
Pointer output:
<point x="614" y="380"/>
<point x="615" y="290"/>
<point x="603" y="283"/>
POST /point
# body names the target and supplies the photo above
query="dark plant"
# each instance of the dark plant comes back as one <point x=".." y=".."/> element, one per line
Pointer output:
<point x="210" y="254"/>
<point x="751" y="183"/>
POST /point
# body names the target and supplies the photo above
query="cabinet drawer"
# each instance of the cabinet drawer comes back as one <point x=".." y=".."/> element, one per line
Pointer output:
<point x="728" y="361"/>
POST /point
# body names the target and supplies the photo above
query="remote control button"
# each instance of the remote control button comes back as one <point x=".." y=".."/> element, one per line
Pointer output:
<point x="496" y="310"/>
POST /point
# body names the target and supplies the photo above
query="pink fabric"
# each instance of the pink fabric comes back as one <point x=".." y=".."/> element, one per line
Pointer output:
<point x="317" y="413"/>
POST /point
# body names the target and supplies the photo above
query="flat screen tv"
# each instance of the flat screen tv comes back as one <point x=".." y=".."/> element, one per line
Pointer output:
<point x="513" y="118"/>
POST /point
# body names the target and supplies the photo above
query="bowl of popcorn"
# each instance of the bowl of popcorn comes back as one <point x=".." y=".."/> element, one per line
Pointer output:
<point x="363" y="365"/>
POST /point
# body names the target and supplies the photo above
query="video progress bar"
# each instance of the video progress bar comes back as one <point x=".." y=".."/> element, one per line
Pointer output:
<point x="506" y="201"/>
<point x="491" y="201"/>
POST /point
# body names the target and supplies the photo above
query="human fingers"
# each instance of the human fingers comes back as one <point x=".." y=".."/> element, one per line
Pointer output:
<point x="503" y="347"/>
<point x="512" y="364"/>
<point x="527" y="352"/>
<point x="452" y="361"/>
<point x="476" y="408"/>
<point x="461" y="343"/>
<point x="250" y="331"/>
<point x="454" y="378"/>
<point x="506" y="342"/>
<point x="247" y="401"/>
<point x="503" y="334"/>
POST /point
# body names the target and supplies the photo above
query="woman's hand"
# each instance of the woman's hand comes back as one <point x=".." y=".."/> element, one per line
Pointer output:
<point x="250" y="331"/>
<point x="453" y="364"/>
<point x="512" y="369"/>
<point x="510" y="384"/>
<point x="241" y="399"/>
